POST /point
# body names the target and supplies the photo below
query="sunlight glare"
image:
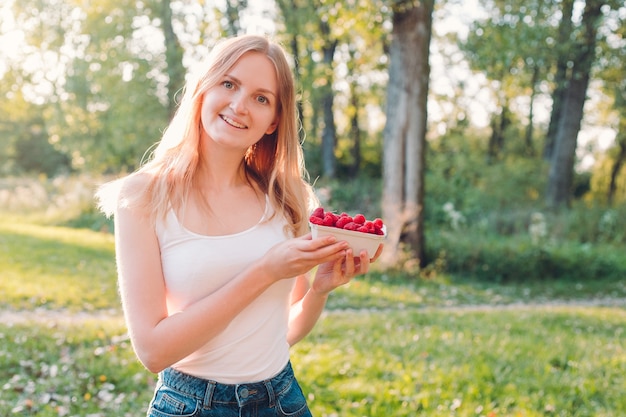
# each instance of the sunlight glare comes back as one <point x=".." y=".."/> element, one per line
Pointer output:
<point x="259" y="18"/>
<point x="11" y="38"/>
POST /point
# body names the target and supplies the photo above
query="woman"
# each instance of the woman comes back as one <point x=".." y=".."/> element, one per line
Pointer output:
<point x="212" y="243"/>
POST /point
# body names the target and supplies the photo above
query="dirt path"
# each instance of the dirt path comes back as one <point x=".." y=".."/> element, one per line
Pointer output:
<point x="57" y="317"/>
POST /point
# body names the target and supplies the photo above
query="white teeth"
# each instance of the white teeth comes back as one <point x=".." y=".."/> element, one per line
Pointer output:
<point x="233" y="123"/>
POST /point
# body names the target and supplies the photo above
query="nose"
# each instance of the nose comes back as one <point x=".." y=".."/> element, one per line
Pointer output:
<point x="238" y="103"/>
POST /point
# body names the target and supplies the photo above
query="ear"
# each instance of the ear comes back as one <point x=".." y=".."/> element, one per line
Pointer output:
<point x="272" y="128"/>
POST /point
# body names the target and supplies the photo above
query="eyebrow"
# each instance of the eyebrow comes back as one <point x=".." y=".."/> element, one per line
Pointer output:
<point x="263" y="90"/>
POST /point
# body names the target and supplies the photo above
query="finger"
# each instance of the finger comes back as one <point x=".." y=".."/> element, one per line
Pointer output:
<point x="323" y="241"/>
<point x="324" y="257"/>
<point x="335" y="249"/>
<point x="364" y="265"/>
<point x="338" y="267"/>
<point x="349" y="263"/>
<point x="361" y="263"/>
<point x="318" y="248"/>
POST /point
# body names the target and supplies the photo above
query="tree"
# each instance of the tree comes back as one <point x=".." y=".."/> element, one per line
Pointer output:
<point x="405" y="128"/>
<point x="23" y="129"/>
<point x="363" y="50"/>
<point x="336" y="48"/>
<point x="353" y="111"/>
<point x="173" y="56"/>
<point x="563" y="58"/>
<point x="295" y="20"/>
<point x="513" y="48"/>
<point x="329" y="134"/>
<point x="560" y="177"/>
<point x="613" y="59"/>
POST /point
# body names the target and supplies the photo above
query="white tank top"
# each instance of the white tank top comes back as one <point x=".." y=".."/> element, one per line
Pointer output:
<point x="254" y="346"/>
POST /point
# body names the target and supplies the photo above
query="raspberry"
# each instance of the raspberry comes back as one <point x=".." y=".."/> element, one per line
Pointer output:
<point x="370" y="225"/>
<point x="359" y="219"/>
<point x="316" y="220"/>
<point x="351" y="226"/>
<point x="318" y="212"/>
<point x="342" y="221"/>
<point x="329" y="220"/>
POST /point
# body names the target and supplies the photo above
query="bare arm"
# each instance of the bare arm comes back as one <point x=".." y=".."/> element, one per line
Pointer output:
<point x="308" y="301"/>
<point x="306" y="308"/>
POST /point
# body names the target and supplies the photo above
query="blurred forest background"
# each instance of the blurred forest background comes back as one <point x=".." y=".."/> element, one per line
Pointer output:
<point x="491" y="135"/>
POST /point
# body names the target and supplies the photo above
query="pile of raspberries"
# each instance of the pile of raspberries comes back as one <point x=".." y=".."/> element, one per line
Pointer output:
<point x="344" y="221"/>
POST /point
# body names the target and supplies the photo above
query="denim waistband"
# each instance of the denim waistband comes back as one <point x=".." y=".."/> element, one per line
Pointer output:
<point x="209" y="392"/>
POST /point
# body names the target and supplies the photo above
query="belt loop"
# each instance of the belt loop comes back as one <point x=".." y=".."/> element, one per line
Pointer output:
<point x="208" y="395"/>
<point x="270" y="392"/>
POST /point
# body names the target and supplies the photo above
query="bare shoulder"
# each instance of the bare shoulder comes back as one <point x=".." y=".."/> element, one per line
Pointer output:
<point x="130" y="191"/>
<point x="135" y="191"/>
<point x="134" y="185"/>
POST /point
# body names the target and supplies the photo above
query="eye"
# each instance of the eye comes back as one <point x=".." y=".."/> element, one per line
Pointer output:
<point x="262" y="99"/>
<point x="228" y="84"/>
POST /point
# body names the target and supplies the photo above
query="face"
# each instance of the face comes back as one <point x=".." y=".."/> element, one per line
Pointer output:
<point x="242" y="107"/>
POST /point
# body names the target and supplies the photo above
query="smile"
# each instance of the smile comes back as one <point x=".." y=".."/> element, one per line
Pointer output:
<point x="232" y="122"/>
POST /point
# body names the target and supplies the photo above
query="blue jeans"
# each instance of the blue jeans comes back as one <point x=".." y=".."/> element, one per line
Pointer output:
<point x="179" y="394"/>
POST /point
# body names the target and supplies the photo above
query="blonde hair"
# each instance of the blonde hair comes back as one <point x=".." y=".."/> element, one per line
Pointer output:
<point x="275" y="164"/>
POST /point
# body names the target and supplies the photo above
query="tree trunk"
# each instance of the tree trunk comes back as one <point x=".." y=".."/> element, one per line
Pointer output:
<point x="617" y="167"/>
<point x="355" y="129"/>
<point x="290" y="11"/>
<point x="405" y="128"/>
<point x="561" y="173"/>
<point x="499" y="124"/>
<point x="560" y="78"/>
<point x="173" y="57"/>
<point x="528" y="137"/>
<point x="329" y="135"/>
<point x="355" y="132"/>
<point x="295" y="51"/>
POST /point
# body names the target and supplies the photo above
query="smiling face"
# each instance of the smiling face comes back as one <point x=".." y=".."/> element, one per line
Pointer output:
<point x="242" y="106"/>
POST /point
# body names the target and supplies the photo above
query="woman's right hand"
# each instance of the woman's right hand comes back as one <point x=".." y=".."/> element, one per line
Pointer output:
<point x="297" y="256"/>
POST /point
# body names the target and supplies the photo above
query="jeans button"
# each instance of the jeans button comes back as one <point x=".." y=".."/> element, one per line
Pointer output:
<point x="244" y="393"/>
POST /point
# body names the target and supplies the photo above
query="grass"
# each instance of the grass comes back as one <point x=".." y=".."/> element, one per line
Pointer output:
<point x="387" y="345"/>
<point x="55" y="267"/>
<point x="84" y="368"/>
<point x="565" y="361"/>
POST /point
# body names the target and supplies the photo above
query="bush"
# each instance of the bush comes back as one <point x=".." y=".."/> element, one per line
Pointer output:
<point x="494" y="258"/>
<point x="65" y="199"/>
<point x="506" y="242"/>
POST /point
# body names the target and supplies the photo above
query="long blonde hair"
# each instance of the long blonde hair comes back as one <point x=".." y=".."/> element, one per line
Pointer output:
<point x="275" y="164"/>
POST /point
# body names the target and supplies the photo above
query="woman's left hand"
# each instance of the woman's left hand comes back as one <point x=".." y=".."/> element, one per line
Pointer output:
<point x="331" y="275"/>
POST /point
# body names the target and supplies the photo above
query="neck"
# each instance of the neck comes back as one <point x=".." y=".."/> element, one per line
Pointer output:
<point x="222" y="170"/>
<point x="219" y="177"/>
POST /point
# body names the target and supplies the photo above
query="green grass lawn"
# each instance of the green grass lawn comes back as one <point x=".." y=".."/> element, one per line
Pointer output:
<point x="55" y="267"/>
<point x="385" y="347"/>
